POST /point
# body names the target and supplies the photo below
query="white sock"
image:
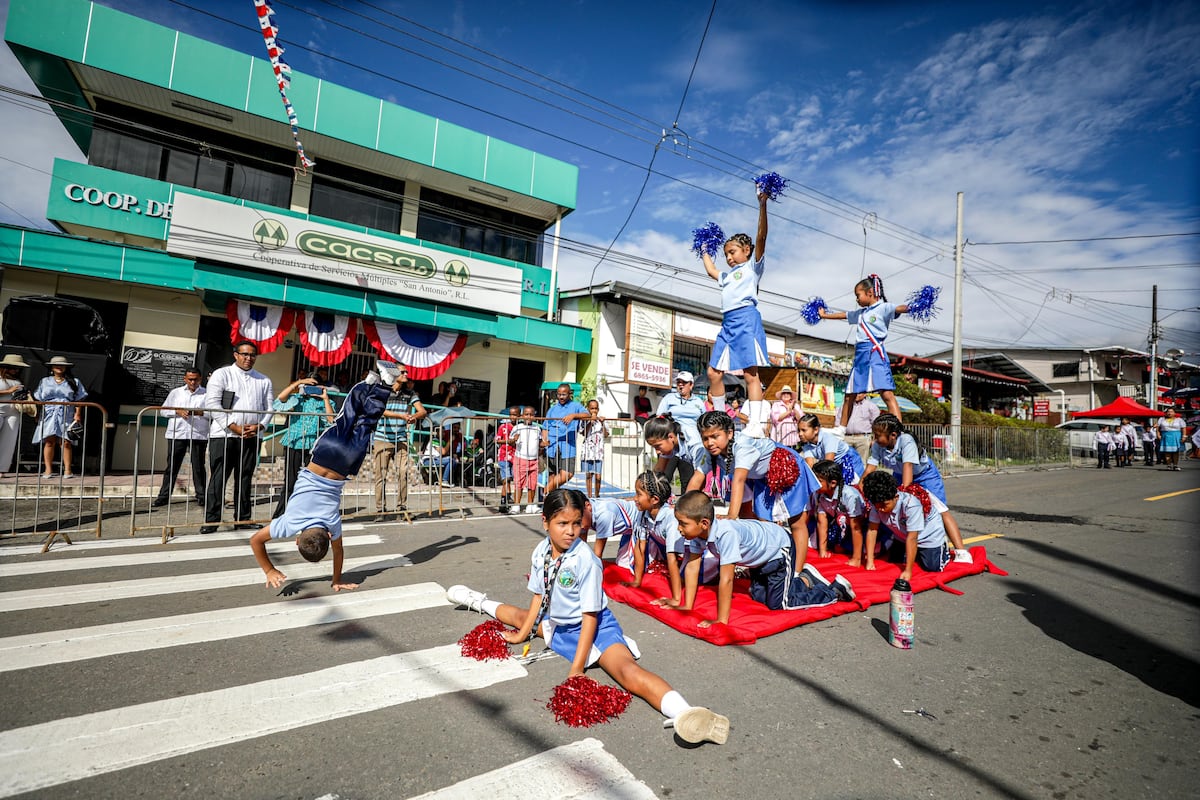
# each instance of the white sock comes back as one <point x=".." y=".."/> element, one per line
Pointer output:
<point x="718" y="401"/>
<point x="673" y="704"/>
<point x="489" y="607"/>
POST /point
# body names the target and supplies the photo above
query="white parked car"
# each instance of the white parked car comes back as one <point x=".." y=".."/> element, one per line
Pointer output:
<point x="1083" y="434"/>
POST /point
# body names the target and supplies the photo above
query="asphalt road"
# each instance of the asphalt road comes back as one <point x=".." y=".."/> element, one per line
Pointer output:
<point x="1073" y="677"/>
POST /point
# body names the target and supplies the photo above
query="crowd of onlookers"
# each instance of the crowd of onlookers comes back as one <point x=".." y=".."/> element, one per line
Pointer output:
<point x="1159" y="442"/>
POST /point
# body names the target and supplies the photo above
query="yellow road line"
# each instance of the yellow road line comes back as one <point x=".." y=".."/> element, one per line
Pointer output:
<point x="975" y="539"/>
<point x="1172" y="494"/>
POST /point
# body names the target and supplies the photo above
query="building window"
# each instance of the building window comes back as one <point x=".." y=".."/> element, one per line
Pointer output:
<point x="1065" y="370"/>
<point x="458" y="222"/>
<point x="360" y="198"/>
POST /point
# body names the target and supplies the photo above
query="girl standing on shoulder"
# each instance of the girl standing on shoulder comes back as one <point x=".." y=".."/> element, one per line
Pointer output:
<point x="569" y="610"/>
<point x="742" y="342"/>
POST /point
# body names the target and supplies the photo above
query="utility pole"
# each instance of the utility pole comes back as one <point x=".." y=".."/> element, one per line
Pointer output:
<point x="1152" y="400"/>
<point x="956" y="375"/>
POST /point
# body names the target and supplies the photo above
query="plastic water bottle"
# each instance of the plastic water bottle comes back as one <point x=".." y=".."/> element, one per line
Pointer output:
<point x="900" y="633"/>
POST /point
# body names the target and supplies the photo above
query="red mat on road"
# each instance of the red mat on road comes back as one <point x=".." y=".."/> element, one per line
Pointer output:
<point x="749" y="620"/>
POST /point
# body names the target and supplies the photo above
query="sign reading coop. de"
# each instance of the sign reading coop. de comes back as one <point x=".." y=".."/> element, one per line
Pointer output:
<point x="299" y="248"/>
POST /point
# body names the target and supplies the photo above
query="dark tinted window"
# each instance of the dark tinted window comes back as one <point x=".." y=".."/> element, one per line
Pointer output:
<point x="458" y="222"/>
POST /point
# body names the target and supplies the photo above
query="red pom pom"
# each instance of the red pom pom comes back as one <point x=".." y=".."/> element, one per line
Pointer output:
<point x="783" y="472"/>
<point x="581" y="702"/>
<point x="918" y="491"/>
<point x="484" y="642"/>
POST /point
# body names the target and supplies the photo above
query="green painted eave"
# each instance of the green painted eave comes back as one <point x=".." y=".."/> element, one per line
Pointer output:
<point x="97" y="36"/>
<point x="57" y="252"/>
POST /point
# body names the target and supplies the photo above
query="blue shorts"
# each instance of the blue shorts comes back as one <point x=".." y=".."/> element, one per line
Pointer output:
<point x="316" y="502"/>
<point x="930" y="559"/>
<point x="742" y="342"/>
<point x="591" y="467"/>
<point x="506" y="470"/>
<point x="564" y="639"/>
<point x="931" y="481"/>
<point x="870" y="372"/>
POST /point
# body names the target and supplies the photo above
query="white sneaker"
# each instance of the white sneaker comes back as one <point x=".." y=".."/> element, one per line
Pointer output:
<point x="388" y="371"/>
<point x="532" y="509"/>
<point x="701" y="725"/>
<point x="817" y="576"/>
<point x="462" y="596"/>
<point x="962" y="557"/>
<point x="845" y="591"/>
<point x="514" y="510"/>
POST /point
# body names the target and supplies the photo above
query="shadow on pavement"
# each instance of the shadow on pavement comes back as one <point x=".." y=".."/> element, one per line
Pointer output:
<point x="1062" y="554"/>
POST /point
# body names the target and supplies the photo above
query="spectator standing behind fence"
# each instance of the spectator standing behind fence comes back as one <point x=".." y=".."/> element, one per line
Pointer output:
<point x="187" y="432"/>
<point x="60" y="386"/>
<point x="238" y="403"/>
<point x="504" y="459"/>
<point x="306" y="396"/>
<point x="562" y="425"/>
<point x="685" y="408"/>
<point x="526" y="439"/>
<point x="641" y="406"/>
<point x="858" y="425"/>
<point x="785" y="416"/>
<point x="391" y="443"/>
<point x="592" y="433"/>
<point x="11" y="389"/>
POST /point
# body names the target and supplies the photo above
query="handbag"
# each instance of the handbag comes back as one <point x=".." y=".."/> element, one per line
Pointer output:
<point x="28" y="409"/>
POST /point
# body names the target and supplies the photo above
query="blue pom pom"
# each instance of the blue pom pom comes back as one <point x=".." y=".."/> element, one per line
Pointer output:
<point x="810" y="312"/>
<point x="922" y="304"/>
<point x="709" y="239"/>
<point x="771" y="184"/>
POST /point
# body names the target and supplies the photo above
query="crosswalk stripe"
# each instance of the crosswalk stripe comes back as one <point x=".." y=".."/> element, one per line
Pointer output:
<point x="579" y="769"/>
<point x="60" y="546"/>
<point x="57" y="647"/>
<point x="64" y="750"/>
<point x="166" y="555"/>
<point x="25" y="599"/>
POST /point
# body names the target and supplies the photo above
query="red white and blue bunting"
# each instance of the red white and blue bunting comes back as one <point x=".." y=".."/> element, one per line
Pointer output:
<point x="266" y="326"/>
<point x="283" y="72"/>
<point x="426" y="352"/>
<point x="325" y="338"/>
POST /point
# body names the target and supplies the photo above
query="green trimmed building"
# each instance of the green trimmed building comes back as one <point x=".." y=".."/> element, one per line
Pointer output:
<point x="194" y="203"/>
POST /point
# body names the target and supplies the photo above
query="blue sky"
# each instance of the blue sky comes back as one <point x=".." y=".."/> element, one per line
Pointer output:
<point x="1064" y="121"/>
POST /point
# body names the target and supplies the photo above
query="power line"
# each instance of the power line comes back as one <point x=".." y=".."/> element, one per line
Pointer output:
<point x="1091" y="239"/>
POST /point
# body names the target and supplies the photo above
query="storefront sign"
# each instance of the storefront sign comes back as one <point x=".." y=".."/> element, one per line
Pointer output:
<point x="117" y="201"/>
<point x="934" y="387"/>
<point x="92" y="197"/>
<point x="648" y="340"/>
<point x="219" y="231"/>
<point x="1041" y="408"/>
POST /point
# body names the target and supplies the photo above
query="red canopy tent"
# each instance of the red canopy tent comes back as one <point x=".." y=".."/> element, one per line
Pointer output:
<point x="1121" y="407"/>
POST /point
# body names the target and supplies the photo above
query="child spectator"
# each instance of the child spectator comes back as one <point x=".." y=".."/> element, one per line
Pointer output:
<point x="314" y="514"/>
<point x="641" y="406"/>
<point x="1149" y="444"/>
<point x="504" y="461"/>
<point x="1132" y="441"/>
<point x="761" y="547"/>
<point x="570" y="611"/>
<point x="1120" y="445"/>
<point x="817" y="443"/>
<point x="917" y="533"/>
<point x="1104" y="446"/>
<point x="841" y="510"/>
<point x="592" y="433"/>
<point x="526" y="438"/>
<point x="909" y="464"/>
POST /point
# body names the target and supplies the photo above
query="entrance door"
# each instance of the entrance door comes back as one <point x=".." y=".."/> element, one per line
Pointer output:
<point x="524" y="382"/>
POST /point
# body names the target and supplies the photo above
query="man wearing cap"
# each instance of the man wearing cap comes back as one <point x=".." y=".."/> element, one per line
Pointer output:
<point x="562" y="422"/>
<point x="685" y="408"/>
<point x="238" y="403"/>
<point x="785" y="418"/>
<point x="10" y="412"/>
<point x="187" y="431"/>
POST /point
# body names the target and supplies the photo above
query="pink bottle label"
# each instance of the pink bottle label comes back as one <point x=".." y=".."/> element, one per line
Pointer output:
<point x="901" y="630"/>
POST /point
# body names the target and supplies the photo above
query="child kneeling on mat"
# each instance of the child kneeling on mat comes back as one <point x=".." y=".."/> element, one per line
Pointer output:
<point x="314" y="510"/>
<point x="570" y="611"/>
<point x="917" y="533"/>
<point x="764" y="548"/>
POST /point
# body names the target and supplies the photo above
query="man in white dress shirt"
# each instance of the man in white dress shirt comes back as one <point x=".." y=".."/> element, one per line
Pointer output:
<point x="238" y="403"/>
<point x="187" y="431"/>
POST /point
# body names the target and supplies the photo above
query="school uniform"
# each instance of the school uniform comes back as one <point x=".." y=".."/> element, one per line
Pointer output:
<point x="843" y="454"/>
<point x="1104" y="444"/>
<point x="575" y="583"/>
<point x="662" y="537"/>
<point x="838" y="510"/>
<point x="906" y="451"/>
<point x="754" y="456"/>
<point x="870" y="371"/>
<point x="741" y="342"/>
<point x="765" y="549"/>
<point x="616" y="518"/>
<point x="906" y="517"/>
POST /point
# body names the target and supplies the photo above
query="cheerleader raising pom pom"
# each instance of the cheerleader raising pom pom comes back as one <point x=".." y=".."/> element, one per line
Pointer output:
<point x="708" y="240"/>
<point x="771" y="184"/>
<point x="922" y="304"/>
<point x="810" y="312"/>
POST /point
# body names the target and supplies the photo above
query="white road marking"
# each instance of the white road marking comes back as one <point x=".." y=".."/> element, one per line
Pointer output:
<point x="70" y="749"/>
<point x="61" y="546"/>
<point x="57" y="647"/>
<point x="579" y="769"/>
<point x="165" y="556"/>
<point x="25" y="599"/>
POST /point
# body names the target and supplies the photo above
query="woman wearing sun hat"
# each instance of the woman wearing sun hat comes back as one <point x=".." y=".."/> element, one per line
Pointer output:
<point x="10" y="415"/>
<point x="60" y="386"/>
<point x="785" y="415"/>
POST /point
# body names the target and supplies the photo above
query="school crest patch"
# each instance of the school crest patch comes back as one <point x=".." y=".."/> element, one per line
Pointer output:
<point x="566" y="578"/>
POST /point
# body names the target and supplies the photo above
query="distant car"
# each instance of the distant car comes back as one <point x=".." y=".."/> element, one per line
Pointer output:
<point x="1083" y="432"/>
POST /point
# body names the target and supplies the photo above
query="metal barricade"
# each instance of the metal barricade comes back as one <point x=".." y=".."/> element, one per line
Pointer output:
<point x="993" y="448"/>
<point x="68" y="495"/>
